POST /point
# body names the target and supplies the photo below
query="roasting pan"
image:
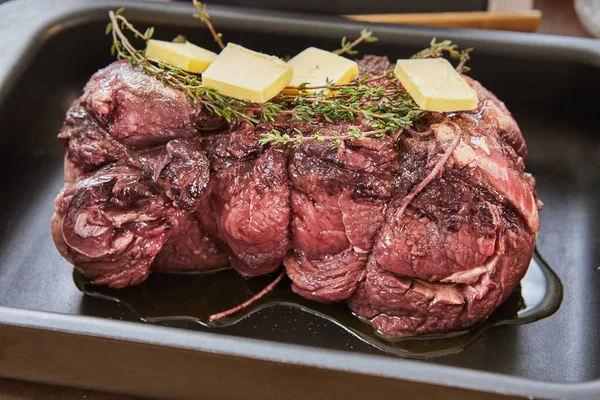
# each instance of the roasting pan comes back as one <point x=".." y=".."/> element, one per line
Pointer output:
<point x="50" y="332"/>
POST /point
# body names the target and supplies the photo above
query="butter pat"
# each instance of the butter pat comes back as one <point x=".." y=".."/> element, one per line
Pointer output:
<point x="435" y="85"/>
<point x="314" y="66"/>
<point x="247" y="75"/>
<point x="186" y="56"/>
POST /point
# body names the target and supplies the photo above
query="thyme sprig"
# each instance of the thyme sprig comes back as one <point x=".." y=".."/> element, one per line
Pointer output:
<point x="383" y="104"/>
<point x="121" y="46"/>
<point x="348" y="47"/>
<point x="226" y="107"/>
<point x="446" y="46"/>
<point x="203" y="16"/>
<point x="179" y="39"/>
<point x="276" y="137"/>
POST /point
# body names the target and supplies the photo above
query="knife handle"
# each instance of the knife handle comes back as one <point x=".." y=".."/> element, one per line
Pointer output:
<point x="522" y="21"/>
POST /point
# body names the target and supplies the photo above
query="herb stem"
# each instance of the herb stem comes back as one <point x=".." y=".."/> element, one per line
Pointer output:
<point x="437" y="50"/>
<point x="343" y="50"/>
<point x="348" y="48"/>
<point x="337" y="85"/>
<point x="461" y="65"/>
<point x="269" y="288"/>
<point x="122" y="39"/>
<point x="342" y="137"/>
<point x="337" y="138"/>
<point x="205" y="17"/>
<point x="343" y="107"/>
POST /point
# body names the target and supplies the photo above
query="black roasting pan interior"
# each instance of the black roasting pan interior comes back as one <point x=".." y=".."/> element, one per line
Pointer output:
<point x="550" y="84"/>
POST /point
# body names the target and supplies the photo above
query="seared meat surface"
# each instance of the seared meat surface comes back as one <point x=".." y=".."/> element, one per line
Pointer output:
<point x="112" y="224"/>
<point x="425" y="232"/>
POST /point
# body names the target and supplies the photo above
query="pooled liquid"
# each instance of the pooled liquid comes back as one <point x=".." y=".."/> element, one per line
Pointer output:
<point x="195" y="297"/>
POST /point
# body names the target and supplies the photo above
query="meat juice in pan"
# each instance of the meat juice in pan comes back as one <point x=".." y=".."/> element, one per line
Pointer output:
<point x="194" y="297"/>
<point x="145" y="193"/>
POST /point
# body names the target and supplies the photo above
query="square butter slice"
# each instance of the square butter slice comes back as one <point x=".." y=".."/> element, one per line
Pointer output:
<point x="435" y="85"/>
<point x="247" y="75"/>
<point x="187" y="56"/>
<point x="314" y="66"/>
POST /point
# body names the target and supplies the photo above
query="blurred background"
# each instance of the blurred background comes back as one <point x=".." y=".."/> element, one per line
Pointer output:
<point x="561" y="17"/>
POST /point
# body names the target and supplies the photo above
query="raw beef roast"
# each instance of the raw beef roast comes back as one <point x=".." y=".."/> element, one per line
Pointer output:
<point x="427" y="231"/>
